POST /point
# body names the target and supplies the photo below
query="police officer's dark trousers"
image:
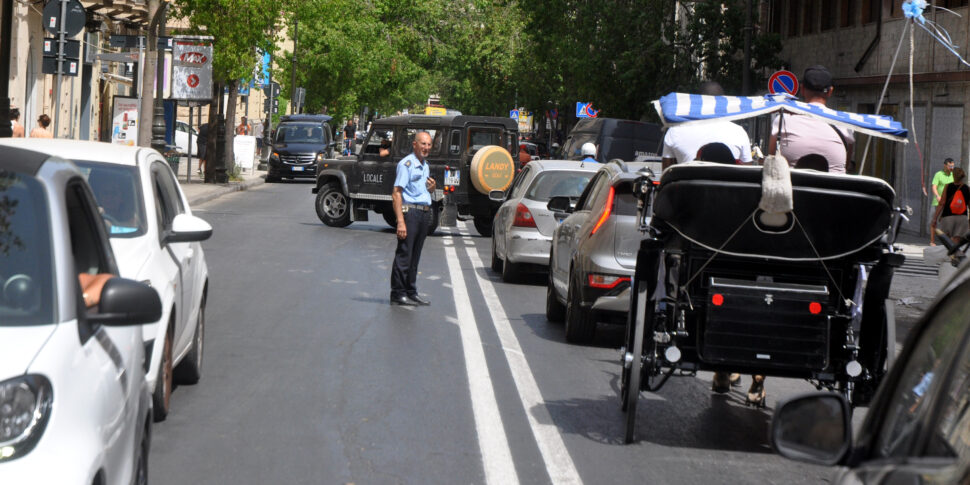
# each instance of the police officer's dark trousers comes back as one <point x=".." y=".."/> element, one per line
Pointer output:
<point x="404" y="272"/>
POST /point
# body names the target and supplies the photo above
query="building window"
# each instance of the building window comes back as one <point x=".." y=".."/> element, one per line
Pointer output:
<point x="809" y="16"/>
<point x="870" y="11"/>
<point x="830" y="12"/>
<point x="794" y="8"/>
<point x="849" y="13"/>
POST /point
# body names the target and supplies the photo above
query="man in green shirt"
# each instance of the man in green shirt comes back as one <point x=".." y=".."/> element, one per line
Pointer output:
<point x="940" y="180"/>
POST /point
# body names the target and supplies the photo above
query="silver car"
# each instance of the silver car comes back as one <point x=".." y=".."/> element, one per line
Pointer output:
<point x="523" y="225"/>
<point x="594" y="251"/>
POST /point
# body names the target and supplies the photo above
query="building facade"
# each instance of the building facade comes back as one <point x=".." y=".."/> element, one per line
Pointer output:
<point x="857" y="40"/>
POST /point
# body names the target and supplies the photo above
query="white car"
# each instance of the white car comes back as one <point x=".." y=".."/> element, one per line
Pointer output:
<point x="75" y="407"/>
<point x="156" y="240"/>
<point x="186" y="136"/>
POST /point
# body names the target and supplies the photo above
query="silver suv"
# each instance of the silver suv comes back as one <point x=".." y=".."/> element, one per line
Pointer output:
<point x="594" y="251"/>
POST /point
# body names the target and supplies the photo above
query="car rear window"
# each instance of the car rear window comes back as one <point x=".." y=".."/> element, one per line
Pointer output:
<point x="625" y="203"/>
<point x="555" y="183"/>
<point x="26" y="275"/>
<point x="118" y="193"/>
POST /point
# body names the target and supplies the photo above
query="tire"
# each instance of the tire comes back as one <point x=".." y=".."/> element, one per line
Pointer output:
<point x="555" y="311"/>
<point x="189" y="371"/>
<point x="141" y="463"/>
<point x="390" y="218"/>
<point x="580" y="324"/>
<point x="333" y="206"/>
<point x="270" y="179"/>
<point x="496" y="262"/>
<point x="511" y="272"/>
<point x="435" y="219"/>
<point x="483" y="226"/>
<point x="162" y="397"/>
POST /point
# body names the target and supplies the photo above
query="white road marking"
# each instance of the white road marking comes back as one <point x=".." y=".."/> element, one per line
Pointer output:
<point x="559" y="464"/>
<point x="496" y="454"/>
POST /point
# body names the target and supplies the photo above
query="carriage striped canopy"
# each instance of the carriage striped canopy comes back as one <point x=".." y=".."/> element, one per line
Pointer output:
<point x="681" y="108"/>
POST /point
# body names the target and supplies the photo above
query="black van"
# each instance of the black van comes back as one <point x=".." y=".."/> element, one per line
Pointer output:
<point x="298" y="143"/>
<point x="614" y="138"/>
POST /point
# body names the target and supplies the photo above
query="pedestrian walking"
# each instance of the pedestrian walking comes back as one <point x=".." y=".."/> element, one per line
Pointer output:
<point x="203" y="144"/>
<point x="951" y="214"/>
<point x="411" y="199"/>
<point x="940" y="179"/>
<point x="350" y="131"/>
<point x="715" y="141"/>
<point x="243" y="128"/>
<point x="18" y="129"/>
<point x="40" y="131"/>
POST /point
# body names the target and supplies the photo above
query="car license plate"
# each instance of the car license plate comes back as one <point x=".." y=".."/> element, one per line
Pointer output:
<point x="452" y="177"/>
<point x="298" y="169"/>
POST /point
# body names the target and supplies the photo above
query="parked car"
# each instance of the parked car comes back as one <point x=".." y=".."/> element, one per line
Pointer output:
<point x="523" y="226"/>
<point x="614" y="138"/>
<point x="594" y="251"/>
<point x="917" y="429"/>
<point x="156" y="239"/>
<point x="299" y="142"/>
<point x="186" y="137"/>
<point x="75" y="407"/>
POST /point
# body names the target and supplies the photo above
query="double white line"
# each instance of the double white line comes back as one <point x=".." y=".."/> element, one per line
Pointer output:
<point x="496" y="454"/>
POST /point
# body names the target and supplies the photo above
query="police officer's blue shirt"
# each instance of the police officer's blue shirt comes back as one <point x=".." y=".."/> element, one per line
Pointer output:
<point x="590" y="159"/>
<point x="411" y="177"/>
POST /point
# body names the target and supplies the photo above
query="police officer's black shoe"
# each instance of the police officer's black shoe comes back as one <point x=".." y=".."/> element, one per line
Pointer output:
<point x="418" y="300"/>
<point x="401" y="300"/>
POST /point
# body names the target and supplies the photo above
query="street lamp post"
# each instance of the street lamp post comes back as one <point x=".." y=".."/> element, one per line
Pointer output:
<point x="156" y="30"/>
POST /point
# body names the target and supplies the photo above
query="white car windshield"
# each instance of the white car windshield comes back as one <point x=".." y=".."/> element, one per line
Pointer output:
<point x="118" y="192"/>
<point x="25" y="253"/>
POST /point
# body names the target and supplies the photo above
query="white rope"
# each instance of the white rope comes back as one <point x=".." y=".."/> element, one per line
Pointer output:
<point x="882" y="96"/>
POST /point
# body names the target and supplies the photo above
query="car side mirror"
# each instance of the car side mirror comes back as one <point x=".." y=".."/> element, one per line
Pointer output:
<point x="496" y="196"/>
<point x="127" y="302"/>
<point x="560" y="204"/>
<point x="188" y="228"/>
<point x="814" y="428"/>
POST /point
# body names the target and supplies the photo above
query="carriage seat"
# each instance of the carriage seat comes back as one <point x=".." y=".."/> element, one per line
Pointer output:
<point x="837" y="214"/>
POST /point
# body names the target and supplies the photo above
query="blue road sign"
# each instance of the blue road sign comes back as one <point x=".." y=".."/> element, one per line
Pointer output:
<point x="783" y="82"/>
<point x="585" y="110"/>
<point x="514" y="114"/>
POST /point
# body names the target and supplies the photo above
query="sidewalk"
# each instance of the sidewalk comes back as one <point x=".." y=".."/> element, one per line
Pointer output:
<point x="198" y="192"/>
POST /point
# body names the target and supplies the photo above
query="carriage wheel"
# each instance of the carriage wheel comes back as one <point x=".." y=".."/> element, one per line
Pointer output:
<point x="630" y="387"/>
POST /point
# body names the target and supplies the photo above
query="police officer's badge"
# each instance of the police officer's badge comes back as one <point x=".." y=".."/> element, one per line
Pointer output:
<point x="407" y="163"/>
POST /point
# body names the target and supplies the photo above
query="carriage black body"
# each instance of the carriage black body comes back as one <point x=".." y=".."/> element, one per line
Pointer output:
<point x="719" y="287"/>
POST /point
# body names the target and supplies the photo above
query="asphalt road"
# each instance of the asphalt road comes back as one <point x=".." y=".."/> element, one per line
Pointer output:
<point x="310" y="377"/>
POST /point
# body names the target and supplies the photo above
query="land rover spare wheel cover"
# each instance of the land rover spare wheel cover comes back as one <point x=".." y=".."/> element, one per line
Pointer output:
<point x="492" y="169"/>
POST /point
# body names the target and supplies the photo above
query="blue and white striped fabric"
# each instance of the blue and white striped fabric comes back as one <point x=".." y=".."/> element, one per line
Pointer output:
<point x="680" y="108"/>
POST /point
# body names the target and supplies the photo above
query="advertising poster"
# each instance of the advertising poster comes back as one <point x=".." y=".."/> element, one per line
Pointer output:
<point x="244" y="151"/>
<point x="192" y="70"/>
<point x="124" y="121"/>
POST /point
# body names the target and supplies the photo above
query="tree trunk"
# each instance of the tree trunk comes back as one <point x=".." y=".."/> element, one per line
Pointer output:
<point x="146" y="110"/>
<point x="210" y="143"/>
<point x="231" y="126"/>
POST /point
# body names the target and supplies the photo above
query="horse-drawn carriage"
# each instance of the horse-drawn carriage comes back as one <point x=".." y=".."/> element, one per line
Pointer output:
<point x="722" y="284"/>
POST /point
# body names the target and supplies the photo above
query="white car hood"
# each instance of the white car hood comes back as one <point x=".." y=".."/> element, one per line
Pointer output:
<point x="132" y="255"/>
<point x="19" y="346"/>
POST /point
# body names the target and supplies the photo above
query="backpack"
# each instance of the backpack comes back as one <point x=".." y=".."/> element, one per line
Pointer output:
<point x="958" y="204"/>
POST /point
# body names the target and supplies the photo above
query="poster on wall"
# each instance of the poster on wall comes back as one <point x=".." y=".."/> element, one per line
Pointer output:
<point x="192" y="69"/>
<point x="124" y="121"/>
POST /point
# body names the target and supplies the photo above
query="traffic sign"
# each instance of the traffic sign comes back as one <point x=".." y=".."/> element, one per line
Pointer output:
<point x="554" y="113"/>
<point x="69" y="67"/>
<point x="514" y="114"/>
<point x="585" y="110"/>
<point x="783" y="82"/>
<point x="275" y="88"/>
<point x="73" y="22"/>
<point x="72" y="48"/>
<point x="276" y="104"/>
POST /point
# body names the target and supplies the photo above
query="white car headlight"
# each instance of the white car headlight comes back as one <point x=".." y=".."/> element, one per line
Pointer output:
<point x="25" y="408"/>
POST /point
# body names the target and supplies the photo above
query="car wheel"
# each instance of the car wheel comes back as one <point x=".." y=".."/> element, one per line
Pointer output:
<point x="555" y="311"/>
<point x="435" y="219"/>
<point x="270" y="179"/>
<point x="189" y="371"/>
<point x="390" y="218"/>
<point x="496" y="263"/>
<point x="510" y="271"/>
<point x="162" y="397"/>
<point x="484" y="226"/>
<point x="333" y="206"/>
<point x="580" y="325"/>
<point x="141" y="462"/>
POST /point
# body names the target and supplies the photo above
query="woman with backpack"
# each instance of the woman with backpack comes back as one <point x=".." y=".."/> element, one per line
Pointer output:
<point x="951" y="215"/>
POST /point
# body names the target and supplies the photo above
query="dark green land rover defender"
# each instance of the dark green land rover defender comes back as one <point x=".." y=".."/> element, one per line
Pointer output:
<point x="470" y="156"/>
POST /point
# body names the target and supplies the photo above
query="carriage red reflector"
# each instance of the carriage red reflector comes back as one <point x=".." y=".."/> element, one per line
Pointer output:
<point x="717" y="299"/>
<point x="815" y="308"/>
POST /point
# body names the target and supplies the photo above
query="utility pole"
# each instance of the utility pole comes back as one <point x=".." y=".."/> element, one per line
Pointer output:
<point x="61" y="39"/>
<point x="156" y="30"/>
<point x="746" y="68"/>
<point x="293" y="65"/>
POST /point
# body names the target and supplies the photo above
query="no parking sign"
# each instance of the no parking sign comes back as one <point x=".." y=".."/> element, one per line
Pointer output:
<point x="783" y="82"/>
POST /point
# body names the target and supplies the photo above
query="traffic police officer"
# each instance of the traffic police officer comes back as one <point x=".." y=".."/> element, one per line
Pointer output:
<point x="412" y="207"/>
